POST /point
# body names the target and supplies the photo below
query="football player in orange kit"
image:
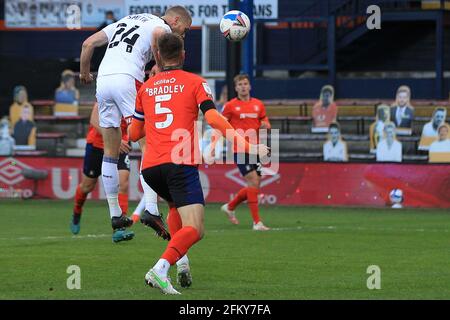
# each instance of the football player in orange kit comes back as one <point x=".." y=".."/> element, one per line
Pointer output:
<point x="249" y="115"/>
<point x="92" y="169"/>
<point x="168" y="104"/>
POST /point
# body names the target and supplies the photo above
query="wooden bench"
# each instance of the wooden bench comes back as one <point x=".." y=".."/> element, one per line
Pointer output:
<point x="59" y="118"/>
<point x="42" y="103"/>
<point x="45" y="107"/>
<point x="360" y="121"/>
<point x="318" y="156"/>
<point x="348" y="107"/>
<point x="286" y="121"/>
<point x="361" y="156"/>
<point x="57" y="137"/>
<point x="320" y="137"/>
<point x="410" y="143"/>
<point x="295" y="156"/>
<point x="42" y="106"/>
<point x="31" y="153"/>
<point x="80" y="121"/>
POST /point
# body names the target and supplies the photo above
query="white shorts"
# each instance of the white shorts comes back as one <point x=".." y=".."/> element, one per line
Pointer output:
<point x="116" y="97"/>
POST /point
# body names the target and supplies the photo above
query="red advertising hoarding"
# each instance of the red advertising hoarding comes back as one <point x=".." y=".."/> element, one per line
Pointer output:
<point x="332" y="184"/>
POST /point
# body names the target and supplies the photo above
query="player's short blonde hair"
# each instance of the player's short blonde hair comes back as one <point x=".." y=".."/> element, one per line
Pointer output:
<point x="181" y="12"/>
<point x="170" y="46"/>
<point x="240" y="77"/>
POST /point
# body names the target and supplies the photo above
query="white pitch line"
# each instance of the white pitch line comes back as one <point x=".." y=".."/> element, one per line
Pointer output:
<point x="91" y="236"/>
<point x="298" y="228"/>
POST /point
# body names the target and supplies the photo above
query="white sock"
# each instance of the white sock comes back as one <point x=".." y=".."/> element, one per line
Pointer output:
<point x="110" y="178"/>
<point x="183" y="260"/>
<point x="162" y="267"/>
<point x="140" y="207"/>
<point x="151" y="198"/>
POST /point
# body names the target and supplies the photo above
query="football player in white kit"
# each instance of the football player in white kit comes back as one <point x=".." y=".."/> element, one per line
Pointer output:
<point x="131" y="42"/>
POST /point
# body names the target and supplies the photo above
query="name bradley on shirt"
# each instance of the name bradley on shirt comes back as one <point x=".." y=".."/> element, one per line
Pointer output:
<point x="177" y="88"/>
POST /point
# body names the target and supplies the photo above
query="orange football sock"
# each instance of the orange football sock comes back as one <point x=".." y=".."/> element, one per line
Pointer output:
<point x="180" y="243"/>
<point x="123" y="203"/>
<point x="80" y="198"/>
<point x="174" y="221"/>
<point x="239" y="198"/>
<point x="252" y="202"/>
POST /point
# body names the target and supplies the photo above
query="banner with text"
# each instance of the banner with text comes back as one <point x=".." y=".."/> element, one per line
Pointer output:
<point x="323" y="184"/>
<point x="68" y="14"/>
<point x="75" y="14"/>
<point x="202" y="11"/>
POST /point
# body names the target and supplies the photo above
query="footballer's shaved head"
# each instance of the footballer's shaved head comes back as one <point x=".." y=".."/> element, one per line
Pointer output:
<point x="179" y="20"/>
<point x="179" y="11"/>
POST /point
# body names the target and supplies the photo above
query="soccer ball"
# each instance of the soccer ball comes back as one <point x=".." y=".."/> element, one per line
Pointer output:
<point x="235" y="25"/>
<point x="396" y="196"/>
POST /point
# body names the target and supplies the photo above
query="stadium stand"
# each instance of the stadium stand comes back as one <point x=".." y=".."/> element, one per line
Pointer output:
<point x="349" y="201"/>
<point x="305" y="66"/>
<point x="292" y="117"/>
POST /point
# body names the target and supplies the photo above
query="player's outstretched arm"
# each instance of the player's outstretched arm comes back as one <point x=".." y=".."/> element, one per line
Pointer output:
<point x="265" y="124"/>
<point x="96" y="40"/>
<point x="136" y="130"/>
<point x="217" y="121"/>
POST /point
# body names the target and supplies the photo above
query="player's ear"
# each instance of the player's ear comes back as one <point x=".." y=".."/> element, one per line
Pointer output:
<point x="157" y="55"/>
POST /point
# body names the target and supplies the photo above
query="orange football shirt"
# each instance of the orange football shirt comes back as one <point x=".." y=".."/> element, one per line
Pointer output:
<point x="323" y="117"/>
<point x="245" y="115"/>
<point x="95" y="138"/>
<point x="169" y="104"/>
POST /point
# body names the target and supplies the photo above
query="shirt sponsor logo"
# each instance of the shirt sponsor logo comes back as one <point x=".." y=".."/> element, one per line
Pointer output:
<point x="248" y="115"/>
<point x="268" y="177"/>
<point x="165" y="81"/>
<point x="207" y="88"/>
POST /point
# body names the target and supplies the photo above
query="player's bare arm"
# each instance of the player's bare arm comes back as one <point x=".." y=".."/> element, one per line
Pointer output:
<point x="217" y="121"/>
<point x="94" y="118"/>
<point x="96" y="40"/>
<point x="265" y="124"/>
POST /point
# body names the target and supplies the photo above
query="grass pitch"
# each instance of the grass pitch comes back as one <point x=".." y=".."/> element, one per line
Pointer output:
<point x="312" y="253"/>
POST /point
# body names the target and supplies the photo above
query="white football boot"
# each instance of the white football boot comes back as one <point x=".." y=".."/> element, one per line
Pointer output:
<point x="230" y="214"/>
<point x="184" y="277"/>
<point x="260" y="227"/>
<point x="155" y="280"/>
